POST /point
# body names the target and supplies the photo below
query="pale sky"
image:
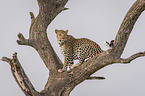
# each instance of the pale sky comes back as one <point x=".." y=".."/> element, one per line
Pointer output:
<point x="98" y="20"/>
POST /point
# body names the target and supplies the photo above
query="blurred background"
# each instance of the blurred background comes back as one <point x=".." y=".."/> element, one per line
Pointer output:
<point x="98" y="20"/>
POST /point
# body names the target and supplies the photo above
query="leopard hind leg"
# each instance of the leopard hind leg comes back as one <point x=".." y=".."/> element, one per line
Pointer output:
<point x="81" y="60"/>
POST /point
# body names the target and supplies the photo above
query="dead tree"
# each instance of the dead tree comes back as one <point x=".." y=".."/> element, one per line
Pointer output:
<point x="62" y="83"/>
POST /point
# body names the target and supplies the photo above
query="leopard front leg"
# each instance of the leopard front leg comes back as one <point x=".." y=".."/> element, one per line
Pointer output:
<point x="64" y="65"/>
<point x="68" y="61"/>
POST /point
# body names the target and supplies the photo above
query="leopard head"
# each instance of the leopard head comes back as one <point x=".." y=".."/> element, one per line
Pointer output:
<point x="61" y="36"/>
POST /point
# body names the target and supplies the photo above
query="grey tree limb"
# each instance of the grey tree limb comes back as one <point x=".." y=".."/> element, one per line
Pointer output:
<point x="131" y="58"/>
<point x="20" y="76"/>
<point x="94" y="77"/>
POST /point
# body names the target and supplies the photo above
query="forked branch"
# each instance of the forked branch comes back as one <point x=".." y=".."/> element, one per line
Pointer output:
<point x="22" y="40"/>
<point x="20" y="76"/>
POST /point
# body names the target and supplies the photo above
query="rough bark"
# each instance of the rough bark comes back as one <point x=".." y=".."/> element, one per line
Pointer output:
<point x="20" y="76"/>
<point x="61" y="84"/>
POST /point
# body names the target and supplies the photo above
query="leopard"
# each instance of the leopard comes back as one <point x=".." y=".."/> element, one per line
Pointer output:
<point x="75" y="49"/>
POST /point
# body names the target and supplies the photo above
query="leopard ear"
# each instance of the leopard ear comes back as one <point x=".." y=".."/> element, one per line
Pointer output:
<point x="66" y="31"/>
<point x="56" y="30"/>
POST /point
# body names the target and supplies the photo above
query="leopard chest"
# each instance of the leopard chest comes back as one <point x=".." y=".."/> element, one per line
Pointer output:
<point x="63" y="49"/>
<point x="66" y="50"/>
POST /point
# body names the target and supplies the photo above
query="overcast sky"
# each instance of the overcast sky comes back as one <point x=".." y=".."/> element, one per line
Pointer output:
<point x="98" y="20"/>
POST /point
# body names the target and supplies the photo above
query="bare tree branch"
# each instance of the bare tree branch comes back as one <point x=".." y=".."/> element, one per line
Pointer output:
<point x="94" y="77"/>
<point x="6" y="60"/>
<point x="131" y="58"/>
<point x="22" y="40"/>
<point x="126" y="27"/>
<point x="20" y="76"/>
<point x="32" y="17"/>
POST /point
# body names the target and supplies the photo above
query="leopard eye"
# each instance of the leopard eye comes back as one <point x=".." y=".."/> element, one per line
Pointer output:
<point x="60" y="34"/>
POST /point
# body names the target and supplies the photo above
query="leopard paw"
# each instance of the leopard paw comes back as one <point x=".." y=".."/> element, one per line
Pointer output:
<point x="61" y="70"/>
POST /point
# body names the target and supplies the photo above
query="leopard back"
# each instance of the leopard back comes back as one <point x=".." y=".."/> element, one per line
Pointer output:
<point x="84" y="48"/>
